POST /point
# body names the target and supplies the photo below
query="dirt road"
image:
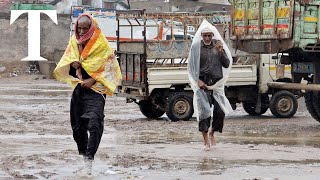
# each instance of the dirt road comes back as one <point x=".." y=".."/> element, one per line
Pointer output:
<point x="36" y="141"/>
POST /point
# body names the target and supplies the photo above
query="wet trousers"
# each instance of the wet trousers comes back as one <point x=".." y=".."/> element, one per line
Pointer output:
<point x="217" y="119"/>
<point x="87" y="114"/>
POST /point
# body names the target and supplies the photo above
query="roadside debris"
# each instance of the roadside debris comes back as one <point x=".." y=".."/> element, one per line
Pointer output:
<point x="17" y="71"/>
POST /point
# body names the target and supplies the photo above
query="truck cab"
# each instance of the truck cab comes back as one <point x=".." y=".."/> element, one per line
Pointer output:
<point x="288" y="27"/>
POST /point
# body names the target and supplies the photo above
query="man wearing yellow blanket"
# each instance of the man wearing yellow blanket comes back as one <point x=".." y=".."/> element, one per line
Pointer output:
<point x="90" y="67"/>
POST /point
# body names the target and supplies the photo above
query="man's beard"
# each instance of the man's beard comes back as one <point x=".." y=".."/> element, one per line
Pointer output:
<point x="207" y="44"/>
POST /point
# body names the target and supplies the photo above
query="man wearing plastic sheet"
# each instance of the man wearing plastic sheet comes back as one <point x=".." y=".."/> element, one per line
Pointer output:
<point x="209" y="64"/>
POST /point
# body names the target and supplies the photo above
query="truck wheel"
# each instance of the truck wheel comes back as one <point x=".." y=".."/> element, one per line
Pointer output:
<point x="179" y="106"/>
<point x="149" y="110"/>
<point x="310" y="102"/>
<point x="283" y="104"/>
<point x="250" y="108"/>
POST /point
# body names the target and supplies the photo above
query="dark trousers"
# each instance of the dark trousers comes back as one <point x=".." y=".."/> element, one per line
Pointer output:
<point x="217" y="119"/>
<point x="87" y="114"/>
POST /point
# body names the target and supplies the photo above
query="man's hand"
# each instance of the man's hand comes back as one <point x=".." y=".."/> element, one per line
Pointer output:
<point x="202" y="85"/>
<point x="76" y="64"/>
<point x="78" y="73"/>
<point x="219" y="46"/>
<point x="88" y="83"/>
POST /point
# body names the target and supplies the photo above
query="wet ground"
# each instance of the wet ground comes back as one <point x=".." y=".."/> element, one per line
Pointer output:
<point x="36" y="141"/>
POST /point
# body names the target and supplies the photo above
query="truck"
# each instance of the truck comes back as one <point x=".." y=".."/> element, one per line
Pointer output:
<point x="287" y="27"/>
<point x="106" y="18"/>
<point x="155" y="70"/>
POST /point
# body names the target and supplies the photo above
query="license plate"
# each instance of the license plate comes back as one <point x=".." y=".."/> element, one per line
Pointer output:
<point x="303" y="68"/>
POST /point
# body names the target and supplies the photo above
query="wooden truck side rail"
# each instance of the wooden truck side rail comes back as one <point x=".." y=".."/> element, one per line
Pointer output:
<point x="146" y="40"/>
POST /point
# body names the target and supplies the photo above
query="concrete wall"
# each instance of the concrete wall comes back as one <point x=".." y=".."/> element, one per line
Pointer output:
<point x="14" y="40"/>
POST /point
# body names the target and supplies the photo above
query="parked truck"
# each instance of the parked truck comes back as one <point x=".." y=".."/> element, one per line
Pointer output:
<point x="108" y="23"/>
<point x="155" y="70"/>
<point x="288" y="27"/>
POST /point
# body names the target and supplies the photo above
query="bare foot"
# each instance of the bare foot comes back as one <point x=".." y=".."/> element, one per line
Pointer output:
<point x="206" y="147"/>
<point x="212" y="139"/>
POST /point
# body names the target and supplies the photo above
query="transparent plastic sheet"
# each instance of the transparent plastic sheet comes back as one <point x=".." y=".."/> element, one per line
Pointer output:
<point x="201" y="104"/>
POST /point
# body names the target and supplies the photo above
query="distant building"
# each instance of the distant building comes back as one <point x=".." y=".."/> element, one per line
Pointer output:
<point x="214" y="7"/>
<point x="119" y="5"/>
<point x="5" y="5"/>
<point x="180" y="5"/>
<point x="63" y="6"/>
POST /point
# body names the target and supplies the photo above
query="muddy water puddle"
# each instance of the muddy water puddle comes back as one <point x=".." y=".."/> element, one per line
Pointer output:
<point x="173" y="156"/>
<point x="36" y="142"/>
<point x="36" y="92"/>
<point x="241" y="138"/>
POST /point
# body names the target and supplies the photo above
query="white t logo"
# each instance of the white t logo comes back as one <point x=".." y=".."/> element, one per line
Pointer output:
<point x="33" y="30"/>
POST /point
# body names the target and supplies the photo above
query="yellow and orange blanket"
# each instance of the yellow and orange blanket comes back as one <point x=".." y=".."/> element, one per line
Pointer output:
<point x="97" y="59"/>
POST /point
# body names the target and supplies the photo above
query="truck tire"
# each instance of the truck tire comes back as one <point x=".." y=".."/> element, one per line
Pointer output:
<point x="310" y="101"/>
<point x="283" y="104"/>
<point x="149" y="110"/>
<point x="179" y="106"/>
<point x="250" y="108"/>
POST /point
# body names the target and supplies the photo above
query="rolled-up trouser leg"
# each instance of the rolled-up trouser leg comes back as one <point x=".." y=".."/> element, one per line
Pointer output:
<point x="204" y="125"/>
<point x="218" y="117"/>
